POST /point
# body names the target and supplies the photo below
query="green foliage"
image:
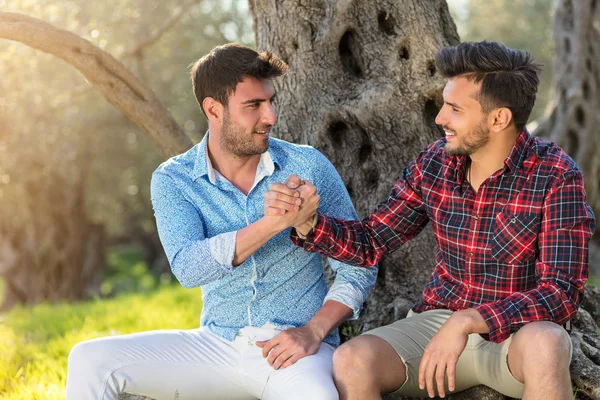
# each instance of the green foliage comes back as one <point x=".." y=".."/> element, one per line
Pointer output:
<point x="126" y="272"/>
<point x="35" y="341"/>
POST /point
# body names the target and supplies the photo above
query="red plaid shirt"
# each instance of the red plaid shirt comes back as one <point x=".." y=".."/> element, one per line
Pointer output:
<point x="516" y="251"/>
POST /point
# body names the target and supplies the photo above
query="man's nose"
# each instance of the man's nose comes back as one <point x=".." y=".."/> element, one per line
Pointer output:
<point x="441" y="118"/>
<point x="268" y="117"/>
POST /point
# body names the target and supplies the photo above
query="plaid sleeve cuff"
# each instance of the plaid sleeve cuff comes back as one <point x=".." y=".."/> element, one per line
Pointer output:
<point x="316" y="238"/>
<point x="497" y="320"/>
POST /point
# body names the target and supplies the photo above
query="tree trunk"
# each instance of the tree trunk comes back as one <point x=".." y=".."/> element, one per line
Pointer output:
<point x="572" y="121"/>
<point x="362" y="88"/>
<point x="572" y="117"/>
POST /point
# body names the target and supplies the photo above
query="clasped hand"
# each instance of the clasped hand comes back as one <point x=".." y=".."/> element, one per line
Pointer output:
<point x="293" y="202"/>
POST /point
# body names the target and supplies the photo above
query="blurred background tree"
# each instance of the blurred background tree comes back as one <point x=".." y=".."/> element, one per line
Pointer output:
<point x="74" y="172"/>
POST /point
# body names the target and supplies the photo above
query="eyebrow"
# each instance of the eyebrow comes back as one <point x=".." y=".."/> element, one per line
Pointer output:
<point x="453" y="105"/>
<point x="258" y="100"/>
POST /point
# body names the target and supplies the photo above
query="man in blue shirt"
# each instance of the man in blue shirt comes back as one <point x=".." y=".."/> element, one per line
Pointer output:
<point x="269" y="323"/>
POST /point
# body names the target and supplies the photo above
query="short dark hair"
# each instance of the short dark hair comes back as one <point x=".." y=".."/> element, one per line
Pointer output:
<point x="217" y="73"/>
<point x="509" y="78"/>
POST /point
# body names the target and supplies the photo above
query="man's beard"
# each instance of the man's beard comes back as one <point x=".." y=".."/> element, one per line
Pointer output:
<point x="238" y="142"/>
<point x="471" y="143"/>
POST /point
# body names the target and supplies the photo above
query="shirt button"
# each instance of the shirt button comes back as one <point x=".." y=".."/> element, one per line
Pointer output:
<point x="470" y="254"/>
<point x="476" y="216"/>
<point x="513" y="220"/>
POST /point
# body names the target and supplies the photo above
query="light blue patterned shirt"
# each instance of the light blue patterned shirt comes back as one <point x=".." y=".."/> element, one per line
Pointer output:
<point x="198" y="213"/>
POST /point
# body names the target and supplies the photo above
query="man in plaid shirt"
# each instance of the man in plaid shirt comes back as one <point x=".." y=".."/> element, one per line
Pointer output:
<point x="512" y="228"/>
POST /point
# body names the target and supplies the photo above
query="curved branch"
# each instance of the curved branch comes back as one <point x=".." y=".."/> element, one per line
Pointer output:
<point x="118" y="85"/>
<point x="157" y="33"/>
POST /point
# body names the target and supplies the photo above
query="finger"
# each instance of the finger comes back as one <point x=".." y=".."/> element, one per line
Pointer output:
<point x="429" y="379"/>
<point x="283" y="357"/>
<point x="291" y="361"/>
<point x="289" y="195"/>
<point x="260" y="343"/>
<point x="307" y="190"/>
<point x="293" y="182"/>
<point x="451" y="370"/>
<point x="275" y="354"/>
<point x="284" y="189"/>
<point x="282" y="205"/>
<point x="422" y="369"/>
<point x="440" y="374"/>
<point x="274" y="211"/>
<point x="269" y="345"/>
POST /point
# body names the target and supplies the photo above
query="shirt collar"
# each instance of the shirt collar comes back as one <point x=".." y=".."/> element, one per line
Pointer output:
<point x="203" y="166"/>
<point x="518" y="152"/>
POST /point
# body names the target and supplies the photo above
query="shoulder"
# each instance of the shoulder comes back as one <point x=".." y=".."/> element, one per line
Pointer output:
<point x="177" y="169"/>
<point x="179" y="164"/>
<point x="295" y="156"/>
<point x="552" y="160"/>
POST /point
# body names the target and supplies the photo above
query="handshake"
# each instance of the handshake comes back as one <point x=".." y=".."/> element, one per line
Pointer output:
<point x="293" y="203"/>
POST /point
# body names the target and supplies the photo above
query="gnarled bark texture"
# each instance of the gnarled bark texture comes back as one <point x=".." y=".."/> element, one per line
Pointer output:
<point x="572" y="121"/>
<point x="363" y="89"/>
<point x="572" y="117"/>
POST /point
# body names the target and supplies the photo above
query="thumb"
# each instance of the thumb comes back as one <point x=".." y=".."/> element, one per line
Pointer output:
<point x="293" y="182"/>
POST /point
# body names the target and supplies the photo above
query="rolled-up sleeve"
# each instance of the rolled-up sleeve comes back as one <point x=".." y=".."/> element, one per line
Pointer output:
<point x="195" y="259"/>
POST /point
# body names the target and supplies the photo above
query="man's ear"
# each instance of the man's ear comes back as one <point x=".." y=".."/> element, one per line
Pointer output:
<point x="213" y="109"/>
<point x="501" y="118"/>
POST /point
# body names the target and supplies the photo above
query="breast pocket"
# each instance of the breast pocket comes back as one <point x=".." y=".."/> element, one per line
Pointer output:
<point x="514" y="240"/>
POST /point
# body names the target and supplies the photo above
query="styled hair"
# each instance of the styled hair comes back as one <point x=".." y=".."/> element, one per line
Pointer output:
<point x="509" y="78"/>
<point x="218" y="72"/>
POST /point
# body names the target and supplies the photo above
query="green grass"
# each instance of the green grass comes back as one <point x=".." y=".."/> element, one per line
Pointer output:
<point x="35" y="341"/>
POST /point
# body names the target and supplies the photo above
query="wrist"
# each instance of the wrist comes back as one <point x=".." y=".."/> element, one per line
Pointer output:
<point x="317" y="329"/>
<point x="274" y="225"/>
<point x="304" y="229"/>
<point x="470" y="321"/>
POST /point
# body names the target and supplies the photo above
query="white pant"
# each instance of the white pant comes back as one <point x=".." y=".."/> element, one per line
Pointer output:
<point x="193" y="364"/>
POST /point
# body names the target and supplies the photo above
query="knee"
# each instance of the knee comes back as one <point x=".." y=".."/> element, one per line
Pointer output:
<point x="354" y="355"/>
<point x="545" y="342"/>
<point x="90" y="354"/>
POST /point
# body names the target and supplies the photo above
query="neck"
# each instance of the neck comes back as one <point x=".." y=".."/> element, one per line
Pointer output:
<point x="240" y="171"/>
<point x="489" y="159"/>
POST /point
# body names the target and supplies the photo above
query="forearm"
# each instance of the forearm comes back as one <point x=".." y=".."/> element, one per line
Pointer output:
<point x="347" y="241"/>
<point x="470" y="321"/>
<point x="328" y="318"/>
<point x="253" y="237"/>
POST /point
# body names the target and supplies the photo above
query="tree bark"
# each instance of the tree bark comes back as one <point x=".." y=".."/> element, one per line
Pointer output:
<point x="572" y="117"/>
<point x="572" y="121"/>
<point x="362" y="88"/>
<point x="120" y="87"/>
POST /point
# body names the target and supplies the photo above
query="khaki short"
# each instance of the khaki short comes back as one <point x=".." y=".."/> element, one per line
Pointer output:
<point x="481" y="363"/>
